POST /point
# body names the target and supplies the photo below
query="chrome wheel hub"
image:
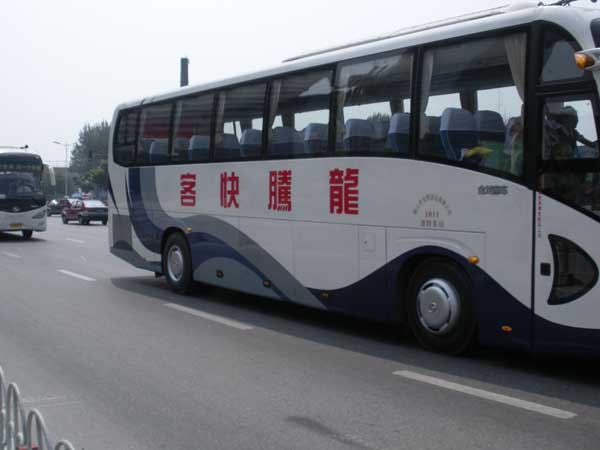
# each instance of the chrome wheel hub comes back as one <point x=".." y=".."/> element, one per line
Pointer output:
<point x="438" y="306"/>
<point x="175" y="263"/>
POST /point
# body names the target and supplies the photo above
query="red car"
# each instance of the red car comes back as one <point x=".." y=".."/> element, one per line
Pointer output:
<point x="85" y="211"/>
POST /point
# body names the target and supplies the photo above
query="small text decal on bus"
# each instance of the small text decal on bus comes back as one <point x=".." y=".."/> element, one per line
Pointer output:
<point x="280" y="190"/>
<point x="230" y="189"/>
<point x="492" y="190"/>
<point x="343" y="191"/>
<point x="188" y="189"/>
<point x="432" y="209"/>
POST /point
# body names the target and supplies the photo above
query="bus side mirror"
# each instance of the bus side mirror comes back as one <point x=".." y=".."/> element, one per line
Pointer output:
<point x="51" y="174"/>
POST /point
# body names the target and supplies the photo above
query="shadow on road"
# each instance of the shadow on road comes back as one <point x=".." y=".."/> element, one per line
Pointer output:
<point x="574" y="380"/>
<point x="16" y="236"/>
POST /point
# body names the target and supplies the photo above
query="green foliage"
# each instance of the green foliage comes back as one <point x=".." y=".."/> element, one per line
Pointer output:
<point x="89" y="157"/>
<point x="379" y="117"/>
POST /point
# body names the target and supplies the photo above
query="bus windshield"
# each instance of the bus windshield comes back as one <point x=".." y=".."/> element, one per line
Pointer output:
<point x="16" y="184"/>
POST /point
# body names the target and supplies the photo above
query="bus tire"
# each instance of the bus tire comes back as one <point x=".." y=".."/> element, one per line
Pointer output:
<point x="64" y="219"/>
<point x="177" y="263"/>
<point x="27" y="234"/>
<point x="440" y="307"/>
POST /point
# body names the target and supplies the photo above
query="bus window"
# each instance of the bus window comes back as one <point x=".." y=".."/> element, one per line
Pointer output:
<point x="299" y="122"/>
<point x="153" y="140"/>
<point x="192" y="135"/>
<point x="373" y="112"/>
<point x="559" y="63"/>
<point x="472" y="102"/>
<point x="124" y="151"/>
<point x="570" y="138"/>
<point x="239" y="123"/>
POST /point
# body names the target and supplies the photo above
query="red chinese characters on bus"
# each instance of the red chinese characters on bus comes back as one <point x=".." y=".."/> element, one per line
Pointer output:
<point x="343" y="191"/>
<point x="187" y="194"/>
<point x="230" y="189"/>
<point x="280" y="190"/>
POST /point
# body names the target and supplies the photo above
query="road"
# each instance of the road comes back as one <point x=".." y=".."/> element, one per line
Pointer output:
<point x="114" y="360"/>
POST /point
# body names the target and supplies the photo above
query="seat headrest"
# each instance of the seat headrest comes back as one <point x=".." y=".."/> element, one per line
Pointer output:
<point x="316" y="132"/>
<point x="359" y="128"/>
<point x="230" y="142"/>
<point x="251" y="137"/>
<point x="286" y="135"/>
<point x="159" y="150"/>
<point x="456" y="119"/>
<point x="489" y="122"/>
<point x="198" y="142"/>
<point x="400" y="123"/>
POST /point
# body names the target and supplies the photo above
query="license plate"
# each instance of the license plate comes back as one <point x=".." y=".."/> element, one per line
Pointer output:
<point x="16" y="225"/>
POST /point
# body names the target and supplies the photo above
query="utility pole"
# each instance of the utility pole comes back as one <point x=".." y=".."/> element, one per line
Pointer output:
<point x="66" y="144"/>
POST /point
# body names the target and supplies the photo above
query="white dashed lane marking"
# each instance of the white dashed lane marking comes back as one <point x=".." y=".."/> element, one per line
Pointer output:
<point x="487" y="395"/>
<point x="222" y="320"/>
<point x="77" y="241"/>
<point x="11" y="255"/>
<point x="76" y="275"/>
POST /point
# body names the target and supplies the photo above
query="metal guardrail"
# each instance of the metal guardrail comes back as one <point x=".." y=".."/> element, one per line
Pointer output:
<point x="20" y="431"/>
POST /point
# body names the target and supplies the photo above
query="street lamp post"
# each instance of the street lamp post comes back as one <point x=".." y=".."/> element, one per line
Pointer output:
<point x="66" y="144"/>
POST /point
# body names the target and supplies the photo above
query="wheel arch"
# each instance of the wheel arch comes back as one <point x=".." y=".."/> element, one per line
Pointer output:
<point x="166" y="235"/>
<point x="408" y="268"/>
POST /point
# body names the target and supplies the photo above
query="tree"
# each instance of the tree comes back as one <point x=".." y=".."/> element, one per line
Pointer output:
<point x="379" y="117"/>
<point x="89" y="157"/>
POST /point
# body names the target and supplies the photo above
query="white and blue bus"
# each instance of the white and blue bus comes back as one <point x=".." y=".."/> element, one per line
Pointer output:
<point x="446" y="177"/>
<point x="22" y="202"/>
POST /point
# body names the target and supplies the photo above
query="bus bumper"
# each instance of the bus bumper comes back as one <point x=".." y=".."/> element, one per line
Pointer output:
<point x="30" y="220"/>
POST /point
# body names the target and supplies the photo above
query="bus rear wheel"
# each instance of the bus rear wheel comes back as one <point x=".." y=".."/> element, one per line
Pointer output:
<point x="440" y="307"/>
<point x="177" y="263"/>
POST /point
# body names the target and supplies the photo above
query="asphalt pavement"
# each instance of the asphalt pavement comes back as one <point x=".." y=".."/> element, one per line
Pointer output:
<point x="114" y="360"/>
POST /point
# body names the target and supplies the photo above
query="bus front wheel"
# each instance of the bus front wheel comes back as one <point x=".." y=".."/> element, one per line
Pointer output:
<point x="177" y="263"/>
<point x="27" y="234"/>
<point x="440" y="307"/>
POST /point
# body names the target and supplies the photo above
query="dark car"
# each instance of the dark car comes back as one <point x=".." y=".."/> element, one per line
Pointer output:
<point x="57" y="206"/>
<point x="86" y="211"/>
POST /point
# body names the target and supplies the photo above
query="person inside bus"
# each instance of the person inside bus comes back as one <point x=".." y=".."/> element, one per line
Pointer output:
<point x="562" y="136"/>
<point x="513" y="145"/>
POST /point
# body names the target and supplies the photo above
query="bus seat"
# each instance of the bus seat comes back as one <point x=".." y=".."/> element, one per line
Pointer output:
<point x="490" y="126"/>
<point x="229" y="148"/>
<point x="180" y="148"/>
<point x="381" y="130"/>
<point x="286" y="141"/>
<point x="316" y="137"/>
<point x="358" y="135"/>
<point x="159" y="151"/>
<point x="458" y="132"/>
<point x="251" y="143"/>
<point x="199" y="148"/>
<point x="492" y="134"/>
<point x="432" y="142"/>
<point x="399" y="135"/>
<point x="145" y="144"/>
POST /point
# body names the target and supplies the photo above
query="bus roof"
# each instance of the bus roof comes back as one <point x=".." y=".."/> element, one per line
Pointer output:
<point x="504" y="17"/>
<point x="21" y="157"/>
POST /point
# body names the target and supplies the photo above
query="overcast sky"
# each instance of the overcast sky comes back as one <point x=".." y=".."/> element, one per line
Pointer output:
<point x="65" y="63"/>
